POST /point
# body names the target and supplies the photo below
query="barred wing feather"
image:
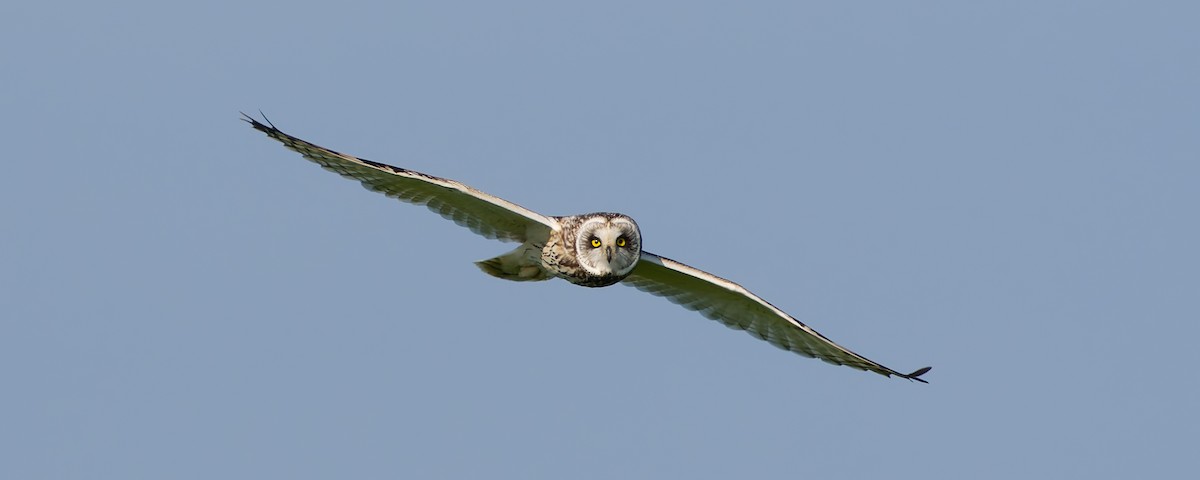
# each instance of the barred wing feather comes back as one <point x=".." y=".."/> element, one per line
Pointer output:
<point x="484" y="214"/>
<point x="729" y="303"/>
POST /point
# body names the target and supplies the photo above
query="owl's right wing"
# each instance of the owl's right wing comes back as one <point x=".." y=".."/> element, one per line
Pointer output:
<point x="487" y="215"/>
<point x="731" y="304"/>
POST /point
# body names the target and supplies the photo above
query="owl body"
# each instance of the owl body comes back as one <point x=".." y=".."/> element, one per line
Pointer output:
<point x="591" y="250"/>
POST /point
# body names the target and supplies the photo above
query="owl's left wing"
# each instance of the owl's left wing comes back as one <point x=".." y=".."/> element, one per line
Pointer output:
<point x="731" y="304"/>
<point x="487" y="215"/>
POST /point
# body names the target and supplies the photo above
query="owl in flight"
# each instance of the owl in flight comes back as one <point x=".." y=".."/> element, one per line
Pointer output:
<point x="592" y="250"/>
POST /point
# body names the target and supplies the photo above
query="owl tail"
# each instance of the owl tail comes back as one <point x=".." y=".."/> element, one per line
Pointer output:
<point x="523" y="264"/>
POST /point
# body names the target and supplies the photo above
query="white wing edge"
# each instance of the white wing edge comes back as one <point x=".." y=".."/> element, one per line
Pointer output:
<point x="740" y="290"/>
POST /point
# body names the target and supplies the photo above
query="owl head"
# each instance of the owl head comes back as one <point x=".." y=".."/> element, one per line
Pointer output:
<point x="608" y="244"/>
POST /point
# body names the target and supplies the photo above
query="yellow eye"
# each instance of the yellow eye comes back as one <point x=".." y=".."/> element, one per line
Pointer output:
<point x="620" y="241"/>
<point x="596" y="243"/>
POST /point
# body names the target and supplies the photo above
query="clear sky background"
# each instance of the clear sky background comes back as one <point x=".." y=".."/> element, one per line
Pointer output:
<point x="1006" y="191"/>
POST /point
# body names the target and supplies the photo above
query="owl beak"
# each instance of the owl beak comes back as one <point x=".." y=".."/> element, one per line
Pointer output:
<point x="608" y="253"/>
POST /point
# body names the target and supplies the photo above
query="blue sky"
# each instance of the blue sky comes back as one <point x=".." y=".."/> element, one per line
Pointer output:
<point x="1006" y="191"/>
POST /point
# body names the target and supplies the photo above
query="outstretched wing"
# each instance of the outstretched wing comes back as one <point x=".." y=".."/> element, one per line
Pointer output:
<point x="487" y="215"/>
<point x="727" y="302"/>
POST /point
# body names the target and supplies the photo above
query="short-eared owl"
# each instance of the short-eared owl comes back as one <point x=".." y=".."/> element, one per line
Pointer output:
<point x="593" y="250"/>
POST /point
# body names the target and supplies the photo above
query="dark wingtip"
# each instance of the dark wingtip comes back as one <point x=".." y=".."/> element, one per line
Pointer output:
<point x="260" y="126"/>
<point x="918" y="373"/>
